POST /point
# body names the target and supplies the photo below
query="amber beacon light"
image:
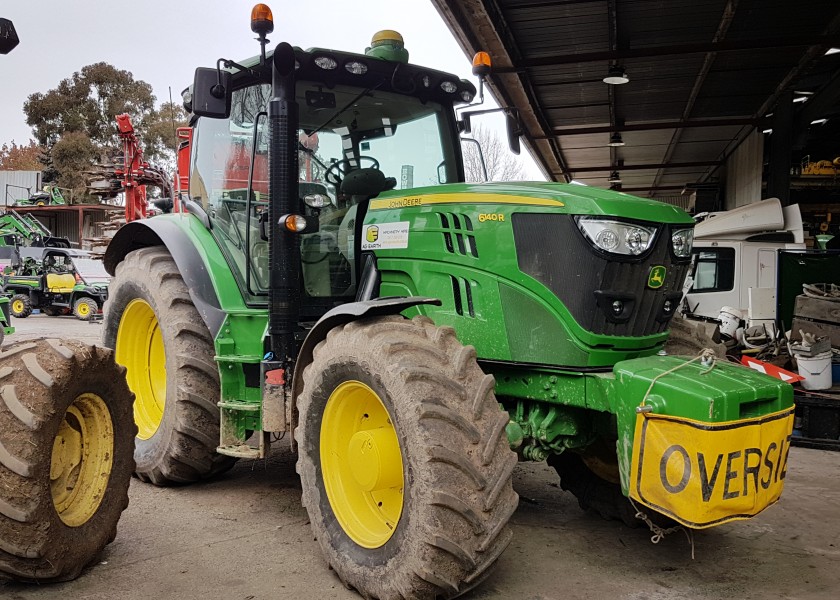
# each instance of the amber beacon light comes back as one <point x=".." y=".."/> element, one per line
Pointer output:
<point x="262" y="21"/>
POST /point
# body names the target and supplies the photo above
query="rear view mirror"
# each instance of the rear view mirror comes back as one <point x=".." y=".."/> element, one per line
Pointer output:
<point x="513" y="131"/>
<point x="8" y="36"/>
<point x="212" y="92"/>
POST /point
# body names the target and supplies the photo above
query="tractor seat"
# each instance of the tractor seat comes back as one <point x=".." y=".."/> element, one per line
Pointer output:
<point x="60" y="283"/>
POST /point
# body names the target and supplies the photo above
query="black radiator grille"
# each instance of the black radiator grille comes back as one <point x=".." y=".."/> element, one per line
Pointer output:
<point x="551" y="249"/>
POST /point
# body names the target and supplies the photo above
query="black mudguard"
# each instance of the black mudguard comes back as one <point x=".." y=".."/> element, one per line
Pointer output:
<point x="163" y="232"/>
<point x="346" y="313"/>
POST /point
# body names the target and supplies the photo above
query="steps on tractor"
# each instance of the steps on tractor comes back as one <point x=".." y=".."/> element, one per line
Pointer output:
<point x="240" y="451"/>
<point x="233" y="442"/>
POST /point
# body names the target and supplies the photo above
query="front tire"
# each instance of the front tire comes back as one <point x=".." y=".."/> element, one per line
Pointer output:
<point x="85" y="309"/>
<point x="20" y="306"/>
<point x="66" y="446"/>
<point x="404" y="462"/>
<point x="161" y="339"/>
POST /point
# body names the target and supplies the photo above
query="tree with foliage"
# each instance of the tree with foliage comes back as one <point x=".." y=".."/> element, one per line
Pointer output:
<point x="501" y="164"/>
<point x="158" y="134"/>
<point x="17" y="157"/>
<point x="87" y="102"/>
<point x="75" y="121"/>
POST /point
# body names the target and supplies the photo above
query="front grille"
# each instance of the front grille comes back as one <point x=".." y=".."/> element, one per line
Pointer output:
<point x="551" y="249"/>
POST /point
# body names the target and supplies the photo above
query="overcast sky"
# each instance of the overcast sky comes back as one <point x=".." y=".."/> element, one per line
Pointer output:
<point x="163" y="41"/>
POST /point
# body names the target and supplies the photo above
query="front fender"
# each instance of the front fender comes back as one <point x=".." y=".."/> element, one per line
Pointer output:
<point x="165" y="232"/>
<point x="346" y="313"/>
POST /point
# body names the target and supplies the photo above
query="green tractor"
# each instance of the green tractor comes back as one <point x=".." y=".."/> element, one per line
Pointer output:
<point x="26" y="230"/>
<point x="51" y="195"/>
<point x="332" y="282"/>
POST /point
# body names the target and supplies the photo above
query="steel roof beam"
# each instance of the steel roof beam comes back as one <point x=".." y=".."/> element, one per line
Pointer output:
<point x="699" y="80"/>
<point x="652" y="126"/>
<point x="641" y="167"/>
<point x="826" y="41"/>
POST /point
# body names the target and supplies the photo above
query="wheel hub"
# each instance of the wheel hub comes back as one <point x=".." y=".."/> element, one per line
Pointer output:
<point x="82" y="457"/>
<point x="140" y="350"/>
<point x="374" y="457"/>
<point x="362" y="464"/>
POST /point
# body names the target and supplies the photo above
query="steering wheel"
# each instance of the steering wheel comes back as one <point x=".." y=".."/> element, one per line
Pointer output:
<point x="337" y="171"/>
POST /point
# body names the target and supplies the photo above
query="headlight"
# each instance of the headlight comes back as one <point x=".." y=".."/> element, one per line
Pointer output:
<point x="617" y="237"/>
<point x="682" y="240"/>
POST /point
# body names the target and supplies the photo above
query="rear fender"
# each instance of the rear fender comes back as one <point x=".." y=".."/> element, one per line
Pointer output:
<point x="164" y="232"/>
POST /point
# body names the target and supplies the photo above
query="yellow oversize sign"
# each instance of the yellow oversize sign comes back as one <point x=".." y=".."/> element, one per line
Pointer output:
<point x="705" y="474"/>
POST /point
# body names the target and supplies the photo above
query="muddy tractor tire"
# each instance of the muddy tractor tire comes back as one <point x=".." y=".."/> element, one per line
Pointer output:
<point x="161" y="339"/>
<point x="66" y="457"/>
<point x="85" y="309"/>
<point x="20" y="306"/>
<point x="404" y="462"/>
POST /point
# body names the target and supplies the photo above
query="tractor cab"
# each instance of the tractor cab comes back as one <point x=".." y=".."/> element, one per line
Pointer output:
<point x="363" y="127"/>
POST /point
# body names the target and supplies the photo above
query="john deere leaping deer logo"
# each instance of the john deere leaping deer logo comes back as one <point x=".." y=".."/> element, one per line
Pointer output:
<point x="656" y="278"/>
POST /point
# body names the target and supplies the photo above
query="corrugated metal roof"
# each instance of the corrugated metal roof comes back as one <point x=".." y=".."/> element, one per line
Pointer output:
<point x="703" y="75"/>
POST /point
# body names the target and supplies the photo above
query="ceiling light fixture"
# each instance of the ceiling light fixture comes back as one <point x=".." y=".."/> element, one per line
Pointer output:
<point x="819" y="121"/>
<point x="801" y="99"/>
<point x="766" y="131"/>
<point x="614" y="177"/>
<point x="831" y="51"/>
<point x="616" y="75"/>
<point x="615" y="140"/>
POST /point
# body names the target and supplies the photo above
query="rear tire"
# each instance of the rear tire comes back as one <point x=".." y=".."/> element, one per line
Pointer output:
<point x="66" y="446"/>
<point x="20" y="306"/>
<point x="453" y="489"/>
<point x="152" y="324"/>
<point x="85" y="309"/>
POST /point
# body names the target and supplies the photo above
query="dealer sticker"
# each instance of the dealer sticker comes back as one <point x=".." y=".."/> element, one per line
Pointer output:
<point x="385" y="236"/>
<point x="705" y="474"/>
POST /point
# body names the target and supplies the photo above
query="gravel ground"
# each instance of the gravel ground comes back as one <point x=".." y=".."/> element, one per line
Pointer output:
<point x="245" y="536"/>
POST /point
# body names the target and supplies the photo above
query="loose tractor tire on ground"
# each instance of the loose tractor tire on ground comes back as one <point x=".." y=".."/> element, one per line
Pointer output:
<point x="328" y="279"/>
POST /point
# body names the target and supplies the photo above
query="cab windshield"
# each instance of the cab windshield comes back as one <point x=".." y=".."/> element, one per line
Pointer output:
<point x="341" y="129"/>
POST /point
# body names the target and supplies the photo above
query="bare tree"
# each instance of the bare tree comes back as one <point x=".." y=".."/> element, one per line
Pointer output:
<point x="501" y="164"/>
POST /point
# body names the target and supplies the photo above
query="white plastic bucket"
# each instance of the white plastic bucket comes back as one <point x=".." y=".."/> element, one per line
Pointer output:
<point x="816" y="370"/>
<point x="730" y="319"/>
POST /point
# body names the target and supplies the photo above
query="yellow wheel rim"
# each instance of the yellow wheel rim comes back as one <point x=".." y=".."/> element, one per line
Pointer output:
<point x="82" y="457"/>
<point x="18" y="306"/>
<point x="140" y="350"/>
<point x="361" y="464"/>
<point x="83" y="309"/>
